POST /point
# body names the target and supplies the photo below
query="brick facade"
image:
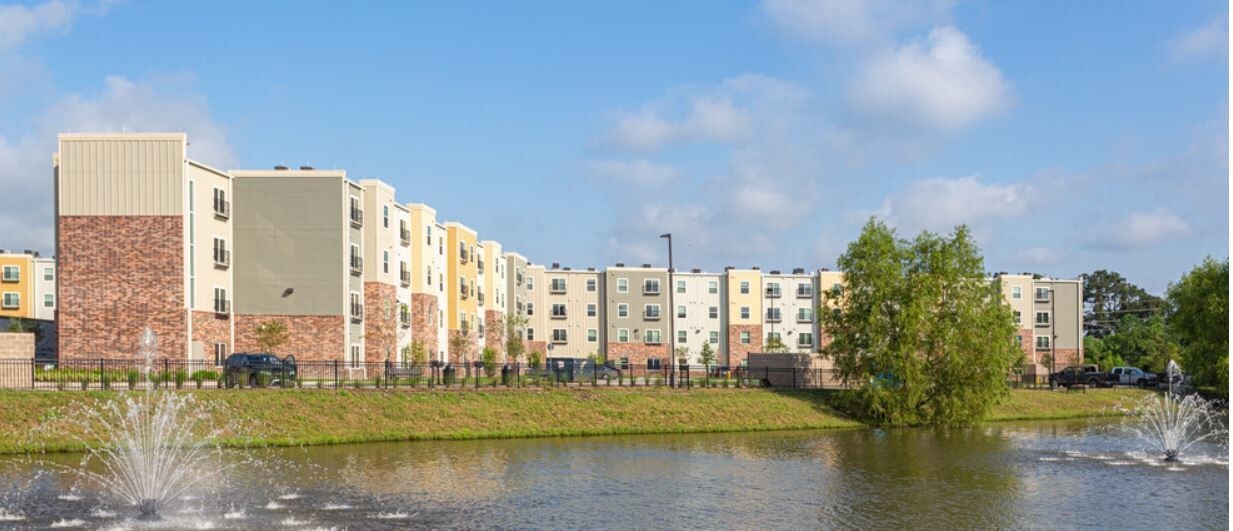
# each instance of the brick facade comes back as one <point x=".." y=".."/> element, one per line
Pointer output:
<point x="737" y="351"/>
<point x="380" y="327"/>
<point x="1028" y="345"/>
<point x="119" y="275"/>
<point x="424" y="311"/>
<point x="470" y="352"/>
<point x="310" y="337"/>
<point x="638" y="353"/>
<point x="210" y="328"/>
<point x="494" y="333"/>
<point x="1066" y="357"/>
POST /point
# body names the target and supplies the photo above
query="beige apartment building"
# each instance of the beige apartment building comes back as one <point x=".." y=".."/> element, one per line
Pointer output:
<point x="638" y="313"/>
<point x="574" y="306"/>
<point x="143" y="239"/>
<point x="743" y="302"/>
<point x="537" y="332"/>
<point x="493" y="286"/>
<point x="387" y="273"/>
<point x="699" y="316"/>
<point x="1048" y="314"/>
<point x="428" y="285"/>
<point x="27" y="286"/>
<point x="789" y="301"/>
<point x="300" y="260"/>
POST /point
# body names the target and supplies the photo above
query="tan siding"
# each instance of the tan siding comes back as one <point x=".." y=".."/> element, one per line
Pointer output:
<point x="130" y="175"/>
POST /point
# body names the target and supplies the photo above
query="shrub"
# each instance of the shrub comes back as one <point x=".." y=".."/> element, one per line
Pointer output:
<point x="320" y="384"/>
<point x="85" y="383"/>
<point x="263" y="379"/>
<point x="199" y="377"/>
<point x="132" y="379"/>
<point x="180" y="376"/>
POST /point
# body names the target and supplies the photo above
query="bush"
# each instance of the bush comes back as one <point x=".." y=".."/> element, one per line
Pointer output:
<point x="85" y="384"/>
<point x="263" y="379"/>
<point x="132" y="377"/>
<point x="180" y="376"/>
<point x="199" y="377"/>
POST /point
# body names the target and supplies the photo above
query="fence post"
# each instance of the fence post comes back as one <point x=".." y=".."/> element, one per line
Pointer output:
<point x="336" y="374"/>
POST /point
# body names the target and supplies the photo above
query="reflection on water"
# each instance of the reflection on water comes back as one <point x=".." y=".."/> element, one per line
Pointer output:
<point x="1004" y="476"/>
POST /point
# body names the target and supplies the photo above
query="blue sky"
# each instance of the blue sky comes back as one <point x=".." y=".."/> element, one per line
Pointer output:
<point x="1070" y="136"/>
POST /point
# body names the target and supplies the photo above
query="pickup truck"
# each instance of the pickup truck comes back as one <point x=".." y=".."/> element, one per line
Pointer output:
<point x="242" y="369"/>
<point x="1131" y="376"/>
<point x="1088" y="375"/>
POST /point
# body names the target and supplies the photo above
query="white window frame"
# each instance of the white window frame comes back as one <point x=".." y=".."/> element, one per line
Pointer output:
<point x="592" y="284"/>
<point x="746" y="338"/>
<point x="1046" y="346"/>
<point x="745" y="312"/>
<point x="49" y="274"/>
<point x="1016" y="292"/>
<point x="4" y="273"/>
<point x="646" y="312"/>
<point x="622" y="335"/>
<point x="682" y="337"/>
<point x="744" y="287"/>
<point x="713" y="312"/>
<point x="15" y="296"/>
<point x="592" y="335"/>
<point x="681" y="311"/>
<point x="714" y="337"/>
<point x="646" y="337"/>
<point x="557" y="285"/>
<point x="560" y="335"/>
<point x="712" y="287"/>
<point x="49" y="298"/>
<point x="646" y="286"/>
<point x="592" y="310"/>
<point x="680" y="286"/>
<point x="1048" y="318"/>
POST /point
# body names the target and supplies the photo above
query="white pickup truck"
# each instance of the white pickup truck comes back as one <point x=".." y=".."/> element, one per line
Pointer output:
<point x="1131" y="376"/>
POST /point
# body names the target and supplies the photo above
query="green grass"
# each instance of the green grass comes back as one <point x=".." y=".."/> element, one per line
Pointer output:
<point x="280" y="417"/>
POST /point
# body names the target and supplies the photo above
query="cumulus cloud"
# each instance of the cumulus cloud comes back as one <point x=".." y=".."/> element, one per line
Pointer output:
<point x="940" y="204"/>
<point x="638" y="171"/>
<point x="850" y="21"/>
<point x="1140" y="230"/>
<point x="944" y="83"/>
<point x="20" y="22"/>
<point x="1037" y="256"/>
<point x="1207" y="40"/>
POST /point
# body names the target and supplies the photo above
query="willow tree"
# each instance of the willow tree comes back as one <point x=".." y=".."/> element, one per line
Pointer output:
<point x="918" y="331"/>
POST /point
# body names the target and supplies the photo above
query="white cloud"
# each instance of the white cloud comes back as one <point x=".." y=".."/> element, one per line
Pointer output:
<point x="940" y="204"/>
<point x="1141" y="229"/>
<point x="850" y="21"/>
<point x="1209" y="39"/>
<point x="1037" y="256"/>
<point x="19" y="22"/>
<point x="946" y="84"/>
<point x="638" y="171"/>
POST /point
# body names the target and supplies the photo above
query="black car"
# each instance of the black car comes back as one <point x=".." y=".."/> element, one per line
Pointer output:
<point x="243" y="369"/>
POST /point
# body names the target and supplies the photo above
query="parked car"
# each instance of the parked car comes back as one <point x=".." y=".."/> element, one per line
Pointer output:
<point x="242" y="369"/>
<point x="1088" y="375"/>
<point x="1131" y="376"/>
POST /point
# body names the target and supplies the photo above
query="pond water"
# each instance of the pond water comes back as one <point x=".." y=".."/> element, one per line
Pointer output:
<point x="1022" y="475"/>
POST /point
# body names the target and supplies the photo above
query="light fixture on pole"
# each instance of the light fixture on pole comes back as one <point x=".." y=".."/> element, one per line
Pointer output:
<point x="671" y="317"/>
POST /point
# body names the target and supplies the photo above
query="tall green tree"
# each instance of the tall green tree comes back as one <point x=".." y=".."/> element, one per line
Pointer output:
<point x="921" y="333"/>
<point x="1143" y="343"/>
<point x="1199" y="319"/>
<point x="514" y="326"/>
<point x="707" y="354"/>
<point x="1108" y="297"/>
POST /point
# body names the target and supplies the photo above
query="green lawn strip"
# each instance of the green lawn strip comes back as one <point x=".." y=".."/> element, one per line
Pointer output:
<point x="281" y="417"/>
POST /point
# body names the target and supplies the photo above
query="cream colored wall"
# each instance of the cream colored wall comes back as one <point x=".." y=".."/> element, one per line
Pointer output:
<point x="538" y="296"/>
<point x="423" y="218"/>
<point x="124" y="174"/>
<point x="206" y="226"/>
<point x="378" y="238"/>
<point x="576" y="323"/>
<point x="445" y="305"/>
<point x="697" y="323"/>
<point x="43" y="287"/>
<point x="23" y="287"/>
<point x="736" y="299"/>
<point x="789" y="304"/>
<point x="494" y="276"/>
<point x="1023" y="304"/>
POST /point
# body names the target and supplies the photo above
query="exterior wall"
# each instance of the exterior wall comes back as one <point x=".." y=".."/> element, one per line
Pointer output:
<point x="428" y="280"/>
<point x="402" y="263"/>
<point x="443" y="286"/>
<point x="383" y="248"/>
<point x="1017" y="291"/>
<point x="15" y="346"/>
<point x="310" y="337"/>
<point x="380" y="322"/>
<point x="1065" y="308"/>
<point x="355" y="282"/>
<point x="738" y="352"/>
<point x="797" y="292"/>
<point x="462" y="289"/>
<point x="734" y="300"/>
<point x="43" y="286"/>
<point x="575" y="299"/>
<point x="424" y="317"/>
<point x="204" y="272"/>
<point x="516" y="294"/>
<point x="126" y="174"/>
<point x="494" y="285"/>
<point x="697" y="323"/>
<point x="117" y="276"/>
<point x="210" y="329"/>
<point x="22" y="288"/>
<point x="636" y="348"/>
<point x="494" y="334"/>
<point x="537" y="332"/>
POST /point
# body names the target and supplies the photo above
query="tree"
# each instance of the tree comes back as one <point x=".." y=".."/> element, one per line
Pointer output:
<point x="682" y="354"/>
<point x="774" y="344"/>
<point x="489" y="355"/>
<point x="460" y="345"/>
<point x="271" y="335"/>
<point x="921" y="333"/>
<point x="534" y="359"/>
<point x="1107" y="297"/>
<point x="417" y="353"/>
<point x="1097" y="350"/>
<point x="707" y="354"/>
<point x="1198" y="316"/>
<point x="514" y="326"/>
<point x="1143" y="343"/>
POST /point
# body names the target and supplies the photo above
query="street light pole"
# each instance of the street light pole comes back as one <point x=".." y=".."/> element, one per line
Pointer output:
<point x="671" y="317"/>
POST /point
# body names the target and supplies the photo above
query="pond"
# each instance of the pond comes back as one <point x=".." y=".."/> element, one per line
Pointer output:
<point x="1074" y="474"/>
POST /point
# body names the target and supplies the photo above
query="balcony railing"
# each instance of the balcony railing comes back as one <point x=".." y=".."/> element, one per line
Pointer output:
<point x="650" y="315"/>
<point x="222" y="209"/>
<point x="772" y="292"/>
<point x="652" y="340"/>
<point x="222" y="306"/>
<point x="480" y="298"/>
<point x="357" y="312"/>
<point x="803" y="318"/>
<point x="222" y="258"/>
<point x="12" y="275"/>
<point x="557" y="288"/>
<point x="463" y="257"/>
<point x="773" y="317"/>
<point x="559" y="340"/>
<point x="11" y="303"/>
<point x="357" y="218"/>
<point x="357" y="265"/>
<point x="1042" y="295"/>
<point x="404" y="319"/>
<point x="804" y="293"/>
<point x="404" y="234"/>
<point x="405" y="277"/>
<point x="558" y="314"/>
<point x="480" y="265"/>
<point x="650" y="288"/>
<point x="463" y="292"/>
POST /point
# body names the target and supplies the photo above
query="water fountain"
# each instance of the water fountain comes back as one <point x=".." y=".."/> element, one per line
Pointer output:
<point x="154" y="446"/>
<point x="1173" y="423"/>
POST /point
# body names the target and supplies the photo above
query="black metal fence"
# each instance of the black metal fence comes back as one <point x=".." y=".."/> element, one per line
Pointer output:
<point x="120" y="374"/>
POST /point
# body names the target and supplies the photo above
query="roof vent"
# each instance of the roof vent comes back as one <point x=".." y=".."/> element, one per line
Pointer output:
<point x="695" y="270"/>
<point x="620" y="264"/>
<point x="31" y="252"/>
<point x="774" y="271"/>
<point x="567" y="269"/>
<point x="798" y="271"/>
<point x="306" y="168"/>
<point x="756" y="268"/>
<point x="590" y="269"/>
<point x="825" y="269"/>
<point x="556" y="265"/>
<point x="280" y="167"/>
<point x="646" y="265"/>
<point x="4" y="251"/>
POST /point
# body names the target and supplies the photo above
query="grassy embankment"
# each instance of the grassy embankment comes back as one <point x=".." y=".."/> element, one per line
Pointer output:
<point x="306" y="417"/>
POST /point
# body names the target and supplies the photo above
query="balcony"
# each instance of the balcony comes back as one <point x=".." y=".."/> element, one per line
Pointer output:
<point x="12" y="274"/>
<point x="558" y="314"/>
<point x="480" y="265"/>
<point x="404" y="319"/>
<point x="357" y="265"/>
<point x="480" y="298"/>
<point x="804" y="342"/>
<point x="652" y="340"/>
<point x="222" y="306"/>
<point x="772" y="293"/>
<point x="650" y="288"/>
<point x="650" y="315"/>
<point x="357" y="217"/>
<point x="11" y="303"/>
<point x="463" y="257"/>
<point x="222" y="258"/>
<point x="404" y="277"/>
<point x="804" y="318"/>
<point x="557" y="288"/>
<point x="222" y="209"/>
<point x="773" y="317"/>
<point x="357" y="312"/>
<point x="804" y="293"/>
<point x="463" y="292"/>
<point x="404" y="235"/>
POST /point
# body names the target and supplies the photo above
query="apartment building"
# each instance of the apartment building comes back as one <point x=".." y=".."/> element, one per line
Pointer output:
<point x="828" y="282"/>
<point x="789" y="302"/>
<point x="637" y="309"/>
<point x="1048" y="314"/>
<point x="428" y="281"/>
<point x="387" y="273"/>
<point x="537" y="332"/>
<point x="492" y="294"/>
<point x="699" y="316"/>
<point x="462" y="305"/>
<point x="27" y="286"/>
<point x="574" y="307"/>
<point x="299" y="237"/>
<point x="143" y="239"/>
<point x="743" y="302"/>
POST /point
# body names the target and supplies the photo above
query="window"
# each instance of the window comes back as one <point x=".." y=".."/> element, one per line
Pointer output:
<point x="713" y="312"/>
<point x="1042" y="294"/>
<point x="49" y="274"/>
<point x="591" y="284"/>
<point x="773" y="338"/>
<point x="622" y="310"/>
<point x="772" y="289"/>
<point x="385" y="261"/>
<point x="12" y="273"/>
<point x="652" y="337"/>
<point x="804" y="315"/>
<point x="682" y="336"/>
<point x="837" y="289"/>
<point x="653" y="364"/>
<point x="530" y="334"/>
<point x="712" y="287"/>
<point x="805" y="339"/>
<point x="385" y="216"/>
<point x="714" y="337"/>
<point x="429" y="236"/>
<point x="462" y="251"/>
<point x="558" y="311"/>
<point x="1042" y="342"/>
<point x="1042" y="318"/>
<point x="49" y="300"/>
<point x="650" y="286"/>
<point x="680" y="286"/>
<point x="680" y="312"/>
<point x="745" y="338"/>
<point x="773" y="314"/>
<point x="591" y="310"/>
<point x="221" y="256"/>
<point x="1018" y="317"/>
<point x="530" y="308"/>
<point x="804" y="290"/>
<point x="429" y="275"/>
<point x="220" y="301"/>
<point x="744" y="287"/>
<point x="530" y="283"/>
<point x="220" y="354"/>
<point x="623" y="335"/>
<point x="355" y="355"/>
<point x="12" y="299"/>
<point x="592" y="335"/>
<point x="356" y="261"/>
<point x="558" y="335"/>
<point x="650" y="311"/>
<point x="357" y="307"/>
<point x="622" y="285"/>
<point x="744" y="312"/>
<point x="1016" y="292"/>
<point x="1019" y="341"/>
<point x="624" y="363"/>
<point x="221" y="207"/>
<point x="357" y="215"/>
<point x="558" y="285"/>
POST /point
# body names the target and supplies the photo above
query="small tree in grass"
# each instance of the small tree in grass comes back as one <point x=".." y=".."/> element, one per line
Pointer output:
<point x="417" y="353"/>
<point x="707" y="354"/>
<point x="774" y="344"/>
<point x="514" y="326"/>
<point x="271" y="335"/>
<point x="534" y="359"/>
<point x="490" y="361"/>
